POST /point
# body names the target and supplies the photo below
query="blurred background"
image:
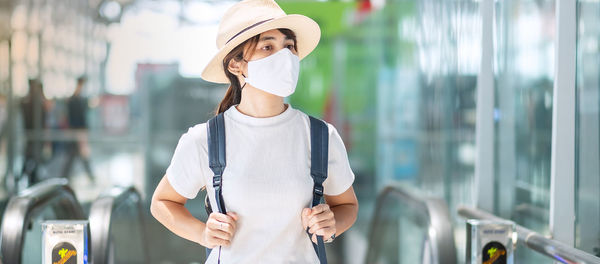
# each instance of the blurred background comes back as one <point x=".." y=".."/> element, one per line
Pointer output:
<point x="98" y="92"/>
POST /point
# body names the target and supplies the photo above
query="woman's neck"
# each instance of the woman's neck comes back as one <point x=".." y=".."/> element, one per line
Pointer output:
<point x="257" y="103"/>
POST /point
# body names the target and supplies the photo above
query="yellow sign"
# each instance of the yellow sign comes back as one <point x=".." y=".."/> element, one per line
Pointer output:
<point x="65" y="255"/>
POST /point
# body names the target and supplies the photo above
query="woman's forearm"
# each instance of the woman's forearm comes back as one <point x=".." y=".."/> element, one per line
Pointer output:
<point x="175" y="217"/>
<point x="345" y="216"/>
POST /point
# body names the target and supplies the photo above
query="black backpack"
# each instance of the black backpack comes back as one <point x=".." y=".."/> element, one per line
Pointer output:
<point x="319" y="145"/>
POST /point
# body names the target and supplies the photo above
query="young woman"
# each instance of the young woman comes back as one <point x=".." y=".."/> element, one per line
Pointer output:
<point x="267" y="187"/>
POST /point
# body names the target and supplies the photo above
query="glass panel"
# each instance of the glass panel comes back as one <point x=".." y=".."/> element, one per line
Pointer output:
<point x="47" y="49"/>
<point x="4" y="118"/>
<point x="424" y="57"/>
<point x="524" y="64"/>
<point x="588" y="129"/>
<point x="413" y="65"/>
<point x="426" y="97"/>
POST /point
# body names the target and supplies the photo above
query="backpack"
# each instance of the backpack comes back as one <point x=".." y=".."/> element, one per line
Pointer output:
<point x="319" y="141"/>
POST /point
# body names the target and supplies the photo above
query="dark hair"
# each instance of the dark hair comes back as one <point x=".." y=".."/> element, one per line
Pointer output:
<point x="234" y="92"/>
<point x="81" y="79"/>
<point x="36" y="89"/>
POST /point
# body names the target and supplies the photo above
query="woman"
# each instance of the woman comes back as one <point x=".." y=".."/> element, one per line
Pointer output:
<point x="267" y="187"/>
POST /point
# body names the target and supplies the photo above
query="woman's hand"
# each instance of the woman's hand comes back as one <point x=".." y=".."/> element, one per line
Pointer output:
<point x="220" y="229"/>
<point x="320" y="221"/>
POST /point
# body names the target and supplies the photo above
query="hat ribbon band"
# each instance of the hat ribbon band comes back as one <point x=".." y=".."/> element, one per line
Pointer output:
<point x="247" y="28"/>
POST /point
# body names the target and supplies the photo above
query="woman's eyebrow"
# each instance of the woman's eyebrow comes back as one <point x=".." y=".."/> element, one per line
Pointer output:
<point x="265" y="38"/>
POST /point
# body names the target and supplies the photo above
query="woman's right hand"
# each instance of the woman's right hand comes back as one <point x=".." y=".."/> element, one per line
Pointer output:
<point x="220" y="229"/>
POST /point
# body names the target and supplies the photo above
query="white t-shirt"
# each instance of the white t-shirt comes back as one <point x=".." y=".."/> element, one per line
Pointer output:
<point x="266" y="182"/>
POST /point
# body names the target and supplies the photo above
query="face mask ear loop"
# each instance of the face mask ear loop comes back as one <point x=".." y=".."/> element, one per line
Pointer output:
<point x="244" y="82"/>
<point x="244" y="75"/>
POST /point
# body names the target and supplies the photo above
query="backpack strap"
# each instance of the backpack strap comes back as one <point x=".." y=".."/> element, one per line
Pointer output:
<point x="216" y="161"/>
<point x="319" y="159"/>
<point x="216" y="156"/>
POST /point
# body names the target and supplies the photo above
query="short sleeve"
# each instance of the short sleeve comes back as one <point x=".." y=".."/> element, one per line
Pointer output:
<point x="185" y="171"/>
<point x="339" y="174"/>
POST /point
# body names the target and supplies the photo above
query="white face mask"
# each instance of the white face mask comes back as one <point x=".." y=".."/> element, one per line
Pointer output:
<point x="276" y="74"/>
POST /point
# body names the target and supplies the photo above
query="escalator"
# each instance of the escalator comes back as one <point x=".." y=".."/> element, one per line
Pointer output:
<point x="117" y="227"/>
<point x="116" y="223"/>
<point x="21" y="222"/>
<point x="410" y="228"/>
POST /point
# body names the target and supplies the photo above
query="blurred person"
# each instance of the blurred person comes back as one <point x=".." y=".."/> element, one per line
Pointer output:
<point x="3" y="119"/>
<point x="3" y="115"/>
<point x="3" y="135"/>
<point x="34" y="108"/>
<point x="267" y="186"/>
<point x="77" y="107"/>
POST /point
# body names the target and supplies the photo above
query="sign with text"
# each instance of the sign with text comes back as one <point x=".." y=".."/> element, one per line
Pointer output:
<point x="65" y="242"/>
<point x="490" y="242"/>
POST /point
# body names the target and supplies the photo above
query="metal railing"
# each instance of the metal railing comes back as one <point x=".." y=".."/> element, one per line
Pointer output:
<point x="21" y="208"/>
<point x="101" y="214"/>
<point x="546" y="246"/>
<point x="439" y="227"/>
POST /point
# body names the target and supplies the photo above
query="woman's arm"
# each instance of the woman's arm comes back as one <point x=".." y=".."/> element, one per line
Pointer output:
<point x="336" y="216"/>
<point x="345" y="209"/>
<point x="168" y="207"/>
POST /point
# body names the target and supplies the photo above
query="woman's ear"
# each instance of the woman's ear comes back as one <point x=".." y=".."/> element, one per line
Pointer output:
<point x="235" y="67"/>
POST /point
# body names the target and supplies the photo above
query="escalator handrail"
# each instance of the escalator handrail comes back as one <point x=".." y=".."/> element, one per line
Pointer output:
<point x="101" y="213"/>
<point x="535" y="241"/>
<point x="440" y="231"/>
<point x="26" y="204"/>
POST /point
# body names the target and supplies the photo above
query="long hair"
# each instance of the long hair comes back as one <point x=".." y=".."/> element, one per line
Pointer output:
<point x="233" y="95"/>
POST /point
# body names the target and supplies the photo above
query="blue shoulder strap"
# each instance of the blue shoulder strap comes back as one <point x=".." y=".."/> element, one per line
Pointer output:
<point x="216" y="161"/>
<point x="319" y="159"/>
<point x="216" y="156"/>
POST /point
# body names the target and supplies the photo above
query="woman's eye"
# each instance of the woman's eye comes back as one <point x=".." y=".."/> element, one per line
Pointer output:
<point x="268" y="47"/>
<point x="290" y="46"/>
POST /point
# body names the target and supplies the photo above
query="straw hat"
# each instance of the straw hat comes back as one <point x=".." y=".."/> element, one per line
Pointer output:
<point x="248" y="18"/>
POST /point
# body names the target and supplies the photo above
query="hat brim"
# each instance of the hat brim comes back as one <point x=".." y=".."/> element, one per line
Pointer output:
<point x="307" y="33"/>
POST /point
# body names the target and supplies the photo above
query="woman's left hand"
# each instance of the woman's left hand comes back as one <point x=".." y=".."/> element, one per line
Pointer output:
<point x="320" y="221"/>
